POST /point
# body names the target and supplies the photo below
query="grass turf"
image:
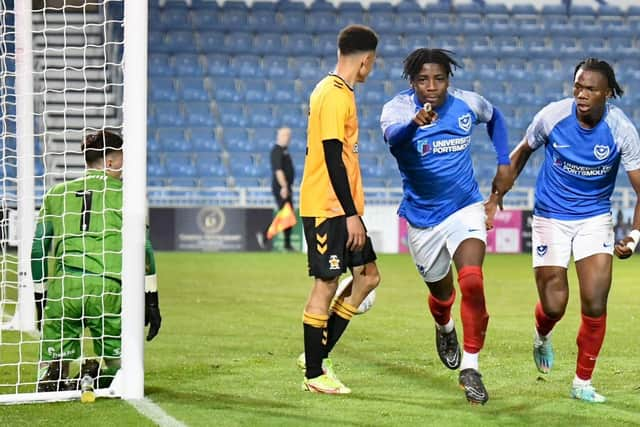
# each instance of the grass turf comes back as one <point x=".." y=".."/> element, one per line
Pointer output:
<point x="232" y="331"/>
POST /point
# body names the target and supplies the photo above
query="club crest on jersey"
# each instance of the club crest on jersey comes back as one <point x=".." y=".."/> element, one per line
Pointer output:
<point x="541" y="250"/>
<point x="423" y="147"/>
<point x="334" y="262"/>
<point x="355" y="148"/>
<point x="601" y="151"/>
<point x="464" y="122"/>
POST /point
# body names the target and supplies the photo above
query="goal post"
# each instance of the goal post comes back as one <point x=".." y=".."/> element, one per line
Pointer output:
<point x="68" y="68"/>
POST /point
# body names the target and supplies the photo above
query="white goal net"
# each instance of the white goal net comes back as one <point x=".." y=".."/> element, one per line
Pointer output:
<point x="61" y="78"/>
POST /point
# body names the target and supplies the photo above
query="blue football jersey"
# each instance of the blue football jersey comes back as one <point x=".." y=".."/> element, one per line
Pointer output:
<point x="580" y="165"/>
<point x="435" y="166"/>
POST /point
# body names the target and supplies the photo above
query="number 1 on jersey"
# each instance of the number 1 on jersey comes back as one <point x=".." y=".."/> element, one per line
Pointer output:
<point x="86" y="209"/>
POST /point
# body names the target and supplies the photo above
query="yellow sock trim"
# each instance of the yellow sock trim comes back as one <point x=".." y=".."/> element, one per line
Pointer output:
<point x="344" y="310"/>
<point x="315" y="320"/>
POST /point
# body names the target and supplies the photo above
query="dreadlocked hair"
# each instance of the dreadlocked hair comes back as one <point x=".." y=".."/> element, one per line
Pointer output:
<point x="603" y="67"/>
<point x="416" y="59"/>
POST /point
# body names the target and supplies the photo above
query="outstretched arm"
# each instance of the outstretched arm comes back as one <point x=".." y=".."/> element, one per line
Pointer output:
<point x="625" y="247"/>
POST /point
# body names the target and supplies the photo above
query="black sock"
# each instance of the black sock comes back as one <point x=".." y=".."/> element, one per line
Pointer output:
<point x="337" y="323"/>
<point x="314" y="345"/>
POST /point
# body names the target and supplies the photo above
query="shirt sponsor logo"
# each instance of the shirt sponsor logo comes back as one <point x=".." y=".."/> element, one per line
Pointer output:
<point x="574" y="169"/>
<point x="443" y="146"/>
<point x="601" y="151"/>
<point x="464" y="122"/>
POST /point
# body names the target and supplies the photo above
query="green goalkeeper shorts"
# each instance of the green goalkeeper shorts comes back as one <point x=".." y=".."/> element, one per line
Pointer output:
<point x="76" y="302"/>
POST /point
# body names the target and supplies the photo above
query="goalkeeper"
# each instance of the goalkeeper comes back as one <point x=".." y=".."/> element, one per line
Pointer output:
<point x="81" y="221"/>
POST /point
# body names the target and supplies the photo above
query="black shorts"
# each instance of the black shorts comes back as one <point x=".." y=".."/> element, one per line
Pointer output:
<point x="327" y="253"/>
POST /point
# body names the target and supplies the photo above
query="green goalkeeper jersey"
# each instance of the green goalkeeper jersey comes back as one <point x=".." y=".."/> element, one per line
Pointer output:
<point x="81" y="221"/>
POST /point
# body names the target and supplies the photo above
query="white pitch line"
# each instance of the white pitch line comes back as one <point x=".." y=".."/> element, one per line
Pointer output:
<point x="155" y="413"/>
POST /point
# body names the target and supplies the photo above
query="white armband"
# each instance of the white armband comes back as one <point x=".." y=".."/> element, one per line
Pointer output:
<point x="635" y="235"/>
<point x="151" y="283"/>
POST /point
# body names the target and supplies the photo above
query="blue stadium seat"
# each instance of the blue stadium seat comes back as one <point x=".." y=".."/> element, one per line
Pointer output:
<point x="160" y="65"/>
<point x="206" y="19"/>
<point x="155" y="165"/>
<point x="231" y="114"/>
<point x="162" y="89"/>
<point x="210" y="165"/>
<point x="321" y="22"/>
<point x="255" y="91"/>
<point x="203" y="140"/>
<point x="168" y="114"/>
<point x="181" y="42"/>
<point x="553" y="9"/>
<point x="384" y="22"/>
<point x="293" y="21"/>
<point x="276" y="66"/>
<point x="152" y="142"/>
<point x="410" y="22"/>
<point x="175" y="19"/>
<point x="596" y="46"/>
<point x="292" y="115"/>
<point x="233" y="20"/>
<point x="321" y="6"/>
<point x="440" y="8"/>
<point x="173" y="140"/>
<point x="526" y="25"/>
<point x="390" y="45"/>
<point x="236" y="139"/>
<point x="350" y="17"/>
<point x="192" y="89"/>
<point x="515" y="68"/>
<point x="566" y="46"/>
<point x="246" y="65"/>
<point x="561" y="27"/>
<point x="225" y="89"/>
<point x="309" y="67"/>
<point x="261" y="20"/>
<point x="299" y="44"/>
<point x="238" y="42"/>
<point x="156" y="42"/>
<point x="537" y="47"/>
<point x="262" y="140"/>
<point x="449" y="42"/>
<point x="287" y="6"/>
<point x="261" y="115"/>
<point x="581" y="9"/>
<point x="284" y="91"/>
<point x="181" y="166"/>
<point x="373" y="93"/>
<point x="543" y="68"/>
<point x="211" y="41"/>
<point x="412" y="42"/>
<point x="472" y="25"/>
<point x="198" y="114"/>
<point x="264" y="5"/>
<point x="409" y="6"/>
<point x="616" y="29"/>
<point x="443" y="25"/>
<point x="622" y="47"/>
<point x="508" y="46"/>
<point x="486" y="67"/>
<point x="499" y="25"/>
<point x="298" y="141"/>
<point x="369" y="145"/>
<point x="325" y="44"/>
<point x="495" y="9"/>
<point x="268" y="43"/>
<point x="217" y="65"/>
<point x="609" y="10"/>
<point x="482" y="46"/>
<point x="187" y="64"/>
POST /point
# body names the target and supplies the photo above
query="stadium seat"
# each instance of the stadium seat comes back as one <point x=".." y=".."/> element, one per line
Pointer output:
<point x="472" y="25"/>
<point x="526" y="25"/>
<point x="180" y="166"/>
<point x="299" y="44"/>
<point x="261" y="20"/>
<point x="277" y="67"/>
<point x="495" y="9"/>
<point x="264" y="6"/>
<point x="188" y="64"/>
<point x="156" y="42"/>
<point x="231" y="114"/>
<point x="198" y="114"/>
<point x="567" y="46"/>
<point x="410" y="22"/>
<point x="225" y="90"/>
<point x="175" y="19"/>
<point x="321" y="6"/>
<point x="238" y="43"/>
<point x="262" y="140"/>
<point x="544" y="68"/>
<point x="181" y="42"/>
<point x="596" y="46"/>
<point x="482" y="46"/>
<point x="210" y="41"/>
<point x="390" y="45"/>
<point x="247" y="65"/>
<point x="515" y="68"/>
<point x="268" y="43"/>
<point x="322" y="22"/>
<point x="293" y="22"/>
<point x="287" y="6"/>
<point x="616" y="29"/>
<point x="284" y="91"/>
<point x="261" y="115"/>
<point x="162" y="89"/>
<point x="553" y="10"/>
<point x="236" y="139"/>
<point x="173" y="140"/>
<point x="217" y="65"/>
<point x="622" y="47"/>
<point x="537" y="47"/>
<point x="168" y="114"/>
<point x="443" y="25"/>
<point x="192" y="89"/>
<point x="160" y="65"/>
<point x="210" y="165"/>
<point x="309" y="67"/>
<point x="153" y="145"/>
<point x="292" y="115"/>
<point x="409" y="6"/>
<point x="206" y="19"/>
<point x="325" y="44"/>
<point x="203" y="140"/>
<point x="581" y="9"/>
<point x="232" y="20"/>
<point x="255" y="91"/>
<point x="298" y="142"/>
<point x="155" y="166"/>
<point x="350" y="17"/>
<point x="373" y="93"/>
<point x="384" y="22"/>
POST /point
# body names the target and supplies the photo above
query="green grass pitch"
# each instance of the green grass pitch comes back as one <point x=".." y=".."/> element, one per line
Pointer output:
<point x="232" y="331"/>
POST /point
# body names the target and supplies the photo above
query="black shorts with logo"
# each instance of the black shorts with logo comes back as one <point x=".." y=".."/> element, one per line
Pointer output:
<point x="327" y="253"/>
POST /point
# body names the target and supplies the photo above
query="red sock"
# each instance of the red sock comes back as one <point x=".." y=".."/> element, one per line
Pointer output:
<point x="590" y="338"/>
<point x="441" y="309"/>
<point x="473" y="310"/>
<point x="544" y="323"/>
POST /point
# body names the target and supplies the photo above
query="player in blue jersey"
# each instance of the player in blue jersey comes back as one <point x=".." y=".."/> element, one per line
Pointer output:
<point x="585" y="139"/>
<point x="428" y="129"/>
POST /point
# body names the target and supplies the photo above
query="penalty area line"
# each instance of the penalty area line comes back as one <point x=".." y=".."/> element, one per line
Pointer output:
<point x="155" y="413"/>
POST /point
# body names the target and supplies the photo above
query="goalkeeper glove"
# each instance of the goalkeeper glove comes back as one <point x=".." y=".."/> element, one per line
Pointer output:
<point x="152" y="316"/>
